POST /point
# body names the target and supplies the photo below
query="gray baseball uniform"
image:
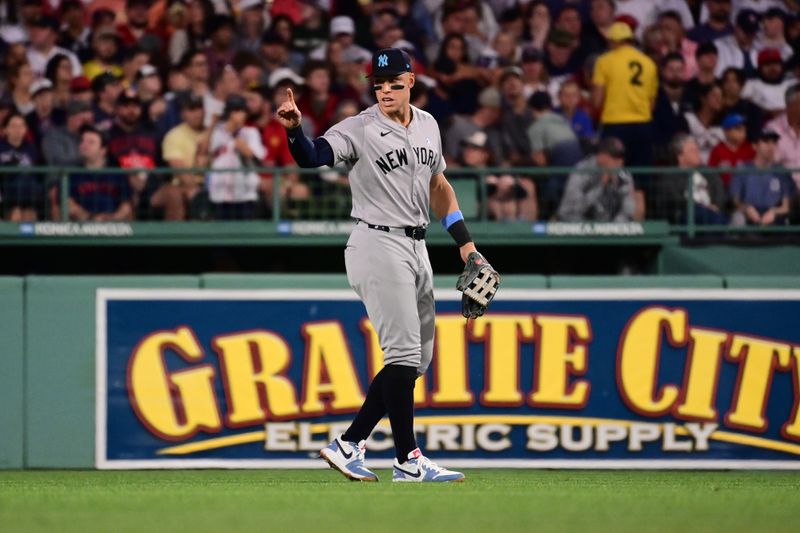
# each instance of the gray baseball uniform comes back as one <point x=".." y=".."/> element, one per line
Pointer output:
<point x="390" y="169"/>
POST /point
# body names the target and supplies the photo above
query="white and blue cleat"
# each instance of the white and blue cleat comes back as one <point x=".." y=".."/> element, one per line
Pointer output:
<point x="420" y="469"/>
<point x="348" y="458"/>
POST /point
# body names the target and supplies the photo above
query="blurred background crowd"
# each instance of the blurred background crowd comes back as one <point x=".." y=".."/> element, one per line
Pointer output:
<point x="590" y="85"/>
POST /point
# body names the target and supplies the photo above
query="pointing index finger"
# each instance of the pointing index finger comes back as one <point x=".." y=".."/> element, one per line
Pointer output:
<point x="290" y="94"/>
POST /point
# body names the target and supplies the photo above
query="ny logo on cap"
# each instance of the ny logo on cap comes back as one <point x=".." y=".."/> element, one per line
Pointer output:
<point x="383" y="60"/>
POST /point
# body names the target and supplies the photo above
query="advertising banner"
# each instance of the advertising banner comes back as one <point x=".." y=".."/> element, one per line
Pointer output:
<point x="551" y="378"/>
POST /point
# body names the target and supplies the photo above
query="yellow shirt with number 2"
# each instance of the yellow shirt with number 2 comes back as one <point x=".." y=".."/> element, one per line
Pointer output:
<point x="630" y="79"/>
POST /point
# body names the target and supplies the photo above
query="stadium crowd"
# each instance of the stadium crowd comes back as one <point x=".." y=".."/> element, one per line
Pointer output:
<point x="593" y="85"/>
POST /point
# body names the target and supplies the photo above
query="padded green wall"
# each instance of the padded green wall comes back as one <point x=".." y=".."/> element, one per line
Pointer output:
<point x="60" y="364"/>
<point x="12" y="350"/>
<point x="47" y="359"/>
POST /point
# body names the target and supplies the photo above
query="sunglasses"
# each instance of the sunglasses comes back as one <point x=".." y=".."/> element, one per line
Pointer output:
<point x="395" y="87"/>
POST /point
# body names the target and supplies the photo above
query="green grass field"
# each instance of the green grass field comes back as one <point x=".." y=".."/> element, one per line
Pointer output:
<point x="313" y="500"/>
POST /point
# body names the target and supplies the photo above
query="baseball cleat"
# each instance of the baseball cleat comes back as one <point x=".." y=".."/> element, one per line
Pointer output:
<point x="348" y="458"/>
<point x="419" y="468"/>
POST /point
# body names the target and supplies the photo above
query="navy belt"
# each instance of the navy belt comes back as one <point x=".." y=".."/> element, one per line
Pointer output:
<point x="415" y="232"/>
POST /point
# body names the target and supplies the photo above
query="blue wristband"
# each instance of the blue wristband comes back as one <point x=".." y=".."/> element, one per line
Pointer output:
<point x="451" y="219"/>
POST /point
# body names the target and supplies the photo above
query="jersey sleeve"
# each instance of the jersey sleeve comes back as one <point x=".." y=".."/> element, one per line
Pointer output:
<point x="600" y="75"/>
<point x="652" y="89"/>
<point x="440" y="164"/>
<point x="344" y="139"/>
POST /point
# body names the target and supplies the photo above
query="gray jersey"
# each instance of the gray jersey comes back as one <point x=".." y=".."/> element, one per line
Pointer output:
<point x="390" y="167"/>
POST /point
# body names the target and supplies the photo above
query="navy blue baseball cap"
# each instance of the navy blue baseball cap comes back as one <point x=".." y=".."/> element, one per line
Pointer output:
<point x="732" y="120"/>
<point x="389" y="62"/>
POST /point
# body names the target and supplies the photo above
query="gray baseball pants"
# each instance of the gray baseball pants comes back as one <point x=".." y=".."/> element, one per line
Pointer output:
<point x="392" y="275"/>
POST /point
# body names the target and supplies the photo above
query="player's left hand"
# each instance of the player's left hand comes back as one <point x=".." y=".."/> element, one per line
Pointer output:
<point x="478" y="283"/>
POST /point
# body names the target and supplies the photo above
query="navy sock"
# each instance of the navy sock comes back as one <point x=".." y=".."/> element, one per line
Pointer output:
<point x="370" y="413"/>
<point x="398" y="397"/>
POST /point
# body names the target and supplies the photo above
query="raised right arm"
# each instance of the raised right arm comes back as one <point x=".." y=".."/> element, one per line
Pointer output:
<point x="307" y="153"/>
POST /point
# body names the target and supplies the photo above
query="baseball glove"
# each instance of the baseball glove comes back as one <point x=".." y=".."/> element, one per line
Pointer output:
<point x="478" y="283"/>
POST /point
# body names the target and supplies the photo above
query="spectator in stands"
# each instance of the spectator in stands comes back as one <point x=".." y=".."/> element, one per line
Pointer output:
<point x="180" y="146"/>
<point x="768" y="90"/>
<point x="708" y="191"/>
<point x="20" y="81"/>
<point x="105" y="54"/>
<point x="772" y="33"/>
<point x="569" y="106"/>
<point x="706" y="58"/>
<point x="106" y="88"/>
<point x="60" y="145"/>
<point x="456" y="75"/>
<point x="27" y="12"/>
<point x="136" y="31"/>
<point x="80" y="89"/>
<point x="553" y="143"/>
<point x="515" y="119"/>
<point x="508" y="198"/>
<point x="101" y="197"/>
<point x="704" y="121"/>
<point x="641" y="12"/>
<point x="22" y="194"/>
<point x="251" y="25"/>
<point x="195" y="66"/>
<point x="220" y="49"/>
<point x="718" y="24"/>
<point x="148" y="85"/>
<point x="601" y="17"/>
<point x="101" y="18"/>
<point x="762" y="196"/>
<point x="317" y="102"/>
<point x="275" y="53"/>
<point x="485" y="119"/>
<point x="787" y="126"/>
<point x="227" y="84"/>
<point x="312" y="31"/>
<point x="12" y="54"/>
<point x="190" y="24"/>
<point x="511" y="21"/>
<point x="537" y="24"/>
<point x="133" y="59"/>
<point x="738" y="50"/>
<point x="561" y="60"/>
<point x="233" y="145"/>
<point x="43" y="35"/>
<point x="734" y="149"/>
<point x="732" y="83"/>
<point x="135" y="145"/>
<point x="625" y="85"/>
<point x="59" y="73"/>
<point x="671" y="106"/>
<point x="568" y="19"/>
<point x="73" y="32"/>
<point x="676" y="41"/>
<point x="534" y="75"/>
<point x="40" y="119"/>
<point x="599" y="190"/>
<point x="343" y="31"/>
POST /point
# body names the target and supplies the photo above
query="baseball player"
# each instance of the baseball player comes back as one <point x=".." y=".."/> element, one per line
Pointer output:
<point x="393" y="153"/>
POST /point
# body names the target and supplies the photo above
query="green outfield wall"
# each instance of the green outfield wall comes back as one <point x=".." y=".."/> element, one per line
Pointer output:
<point x="47" y="357"/>
<point x="12" y="350"/>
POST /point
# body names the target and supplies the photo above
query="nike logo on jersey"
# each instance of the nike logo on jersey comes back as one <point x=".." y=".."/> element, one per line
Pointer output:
<point x="385" y="133"/>
<point x="291" y="140"/>
<point x="415" y="475"/>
